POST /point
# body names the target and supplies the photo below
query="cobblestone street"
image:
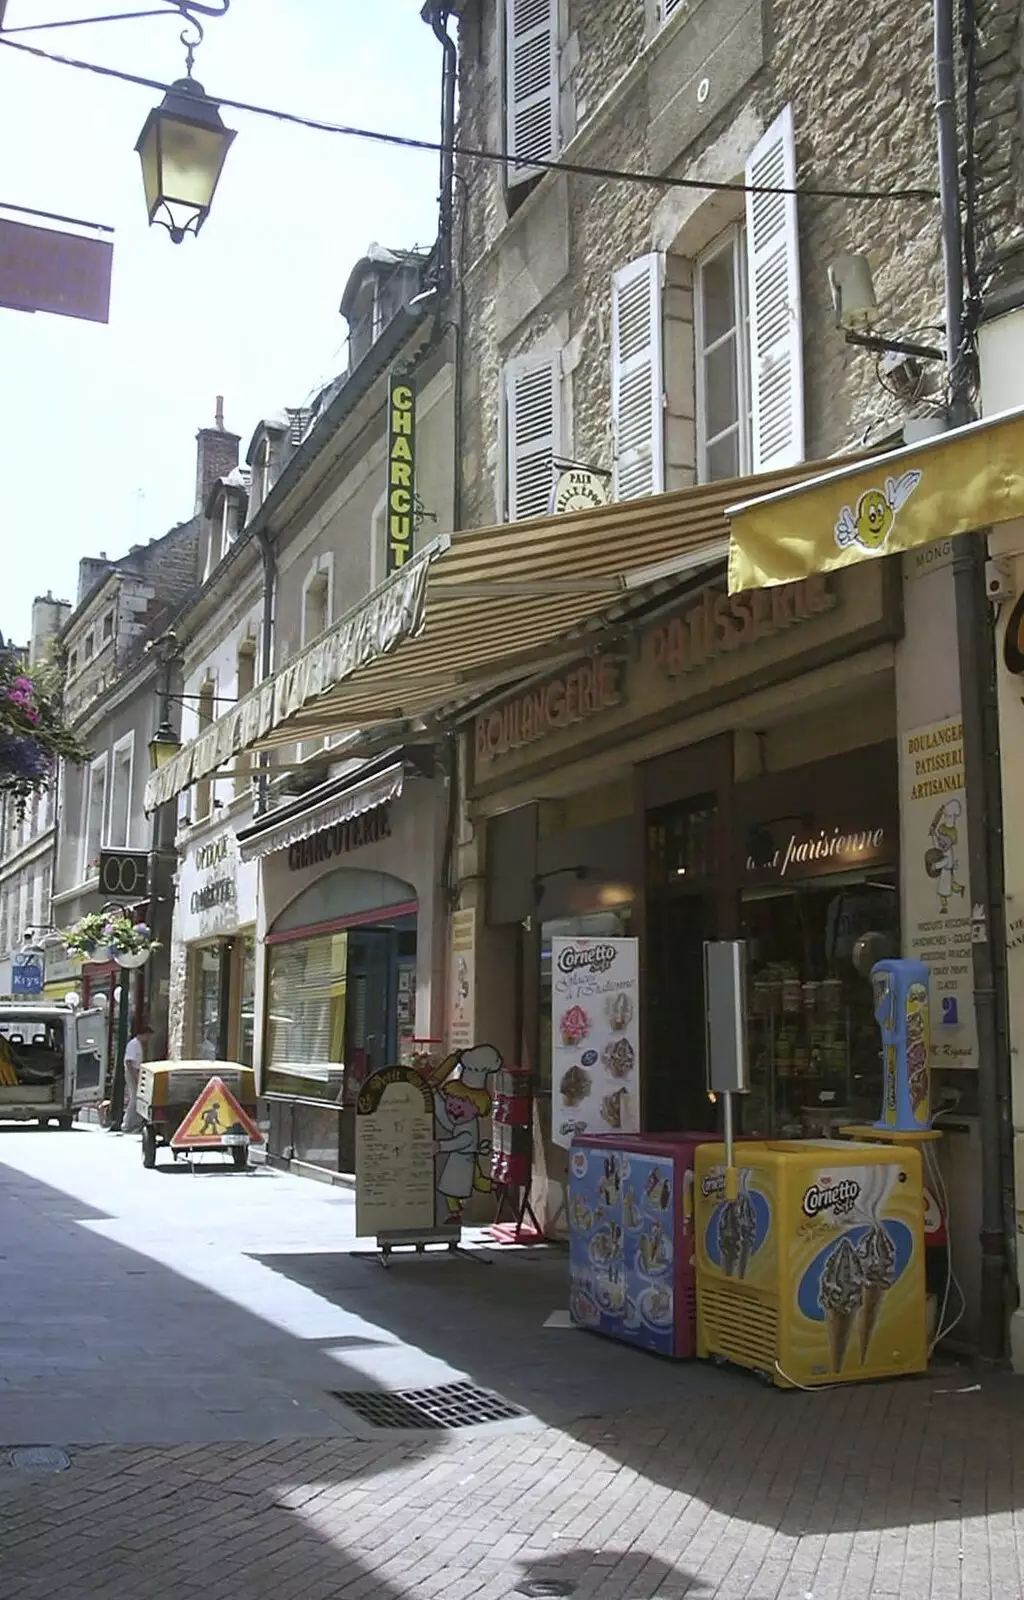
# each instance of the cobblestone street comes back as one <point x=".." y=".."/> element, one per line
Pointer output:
<point x="180" y="1338"/>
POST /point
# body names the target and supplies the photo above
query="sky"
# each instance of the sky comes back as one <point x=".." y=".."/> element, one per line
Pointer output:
<point x="98" y="423"/>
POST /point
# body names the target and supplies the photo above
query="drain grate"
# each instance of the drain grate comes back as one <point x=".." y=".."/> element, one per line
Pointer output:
<point x="450" y="1405"/>
<point x="39" y="1458"/>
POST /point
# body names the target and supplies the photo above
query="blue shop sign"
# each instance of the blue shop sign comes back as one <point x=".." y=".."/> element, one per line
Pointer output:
<point x="27" y="974"/>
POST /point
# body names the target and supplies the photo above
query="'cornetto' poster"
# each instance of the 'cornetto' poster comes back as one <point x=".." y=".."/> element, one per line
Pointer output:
<point x="595" y="1037"/>
<point x="937" y="889"/>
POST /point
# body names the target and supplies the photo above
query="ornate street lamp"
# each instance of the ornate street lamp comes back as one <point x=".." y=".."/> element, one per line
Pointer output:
<point x="182" y="147"/>
<point x="183" y="144"/>
<point x="163" y="746"/>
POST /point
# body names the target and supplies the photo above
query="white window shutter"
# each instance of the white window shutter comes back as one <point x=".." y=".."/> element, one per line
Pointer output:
<point x="638" y="419"/>
<point x="533" y="431"/>
<point x="667" y="8"/>
<point x="773" y="270"/>
<point x="531" y="85"/>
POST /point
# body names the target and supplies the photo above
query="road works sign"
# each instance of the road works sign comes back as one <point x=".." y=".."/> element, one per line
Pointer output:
<point x="215" y="1121"/>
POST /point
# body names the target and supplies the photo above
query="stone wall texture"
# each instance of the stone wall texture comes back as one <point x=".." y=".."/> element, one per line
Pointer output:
<point x="999" y="142"/>
<point x="692" y="102"/>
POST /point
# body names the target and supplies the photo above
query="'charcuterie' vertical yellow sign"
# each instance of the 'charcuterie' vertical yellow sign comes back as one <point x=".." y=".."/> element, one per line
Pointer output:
<point x="401" y="469"/>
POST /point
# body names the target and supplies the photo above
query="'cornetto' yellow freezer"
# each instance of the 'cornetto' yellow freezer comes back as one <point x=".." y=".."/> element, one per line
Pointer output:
<point x="814" y="1274"/>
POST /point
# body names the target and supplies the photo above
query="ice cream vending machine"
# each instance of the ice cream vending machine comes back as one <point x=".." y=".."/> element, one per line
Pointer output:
<point x="815" y="1272"/>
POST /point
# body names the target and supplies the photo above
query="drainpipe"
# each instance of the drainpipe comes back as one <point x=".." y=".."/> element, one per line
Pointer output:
<point x="437" y="16"/>
<point x="982" y="777"/>
<point x="266" y="650"/>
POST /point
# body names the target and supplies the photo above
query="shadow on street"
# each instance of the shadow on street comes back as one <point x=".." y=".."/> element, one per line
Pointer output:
<point x="884" y="1455"/>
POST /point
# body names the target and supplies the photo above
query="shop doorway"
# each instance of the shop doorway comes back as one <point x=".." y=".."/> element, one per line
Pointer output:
<point x="683" y="852"/>
<point x="675" y="1089"/>
<point x="379" y="960"/>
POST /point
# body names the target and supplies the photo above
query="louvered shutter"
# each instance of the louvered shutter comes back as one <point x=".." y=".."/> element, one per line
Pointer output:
<point x="638" y="422"/>
<point x="531" y="85"/>
<point x="773" y="272"/>
<point x="667" y="8"/>
<point x="533" y="432"/>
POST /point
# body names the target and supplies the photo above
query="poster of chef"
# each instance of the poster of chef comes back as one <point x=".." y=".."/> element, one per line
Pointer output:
<point x="595" y="1037"/>
<point x="463" y="1085"/>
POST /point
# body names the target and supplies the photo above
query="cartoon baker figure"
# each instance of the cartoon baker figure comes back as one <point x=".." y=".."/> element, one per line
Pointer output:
<point x="462" y="1106"/>
<point x="940" y="860"/>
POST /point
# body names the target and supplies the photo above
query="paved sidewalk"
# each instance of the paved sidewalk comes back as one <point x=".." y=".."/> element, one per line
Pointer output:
<point x="906" y="1489"/>
<point x="166" y="1308"/>
<point x="180" y="1336"/>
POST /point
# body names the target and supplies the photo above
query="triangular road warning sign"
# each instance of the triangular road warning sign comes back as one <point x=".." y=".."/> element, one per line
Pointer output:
<point x="216" y="1120"/>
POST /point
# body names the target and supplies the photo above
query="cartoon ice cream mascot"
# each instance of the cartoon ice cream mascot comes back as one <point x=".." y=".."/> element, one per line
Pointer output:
<point x="462" y="1104"/>
<point x="940" y="860"/>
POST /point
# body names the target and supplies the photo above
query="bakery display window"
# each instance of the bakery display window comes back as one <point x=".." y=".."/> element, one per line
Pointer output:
<point x="815" y="1050"/>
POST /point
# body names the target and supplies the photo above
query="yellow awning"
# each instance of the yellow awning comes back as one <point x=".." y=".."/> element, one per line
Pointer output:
<point x="968" y="478"/>
<point x="473" y="610"/>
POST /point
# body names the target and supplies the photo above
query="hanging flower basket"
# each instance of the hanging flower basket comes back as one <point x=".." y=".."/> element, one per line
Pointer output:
<point x="86" y="937"/>
<point x="33" y="733"/>
<point x="128" y="943"/>
<point x="130" y="958"/>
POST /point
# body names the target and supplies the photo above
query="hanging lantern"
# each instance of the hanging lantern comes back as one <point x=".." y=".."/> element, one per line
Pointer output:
<point x="163" y="746"/>
<point x="182" y="148"/>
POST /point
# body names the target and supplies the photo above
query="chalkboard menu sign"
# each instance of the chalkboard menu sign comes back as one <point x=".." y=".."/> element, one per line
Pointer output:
<point x="395" y="1188"/>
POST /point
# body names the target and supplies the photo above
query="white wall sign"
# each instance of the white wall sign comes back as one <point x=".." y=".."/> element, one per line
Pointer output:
<point x="461" y="980"/>
<point x="216" y="890"/>
<point x="937" y="897"/>
<point x="595" y="1037"/>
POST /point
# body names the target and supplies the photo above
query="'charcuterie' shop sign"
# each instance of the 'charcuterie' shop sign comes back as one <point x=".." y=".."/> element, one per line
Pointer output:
<point x="401" y="470"/>
<point x="587" y="689"/>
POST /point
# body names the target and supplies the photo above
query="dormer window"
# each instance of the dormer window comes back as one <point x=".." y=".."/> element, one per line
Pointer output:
<point x="379" y="285"/>
<point x="266" y="462"/>
<point x="364" y="324"/>
<point x="231" y="517"/>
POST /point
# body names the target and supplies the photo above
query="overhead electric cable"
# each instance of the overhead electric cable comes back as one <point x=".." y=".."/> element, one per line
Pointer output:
<point x="471" y="153"/>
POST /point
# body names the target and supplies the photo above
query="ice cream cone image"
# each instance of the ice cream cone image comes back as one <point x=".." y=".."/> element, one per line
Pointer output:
<point x="840" y="1296"/>
<point x="873" y="1296"/>
<point x="737" y="1229"/>
<point x="839" y="1325"/>
<point x="877" y="1258"/>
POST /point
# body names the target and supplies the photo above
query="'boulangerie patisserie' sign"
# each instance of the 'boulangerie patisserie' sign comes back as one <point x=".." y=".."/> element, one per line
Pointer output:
<point x="595" y="1037"/>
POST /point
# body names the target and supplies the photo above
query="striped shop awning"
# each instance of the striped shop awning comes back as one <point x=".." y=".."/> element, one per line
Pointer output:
<point x="470" y="612"/>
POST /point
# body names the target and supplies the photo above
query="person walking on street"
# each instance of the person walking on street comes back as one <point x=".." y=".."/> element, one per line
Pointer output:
<point x="134" y="1056"/>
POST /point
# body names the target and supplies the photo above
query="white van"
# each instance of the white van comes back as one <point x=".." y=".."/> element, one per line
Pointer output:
<point x="51" y="1061"/>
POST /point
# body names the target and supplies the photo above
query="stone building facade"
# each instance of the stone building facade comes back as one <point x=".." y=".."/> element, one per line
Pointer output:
<point x="685" y="91"/>
<point x="27" y="840"/>
<point x="295" y="971"/>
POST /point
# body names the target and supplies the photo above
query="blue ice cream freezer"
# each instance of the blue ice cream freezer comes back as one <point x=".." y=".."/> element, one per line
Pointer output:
<point x="631" y="1264"/>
